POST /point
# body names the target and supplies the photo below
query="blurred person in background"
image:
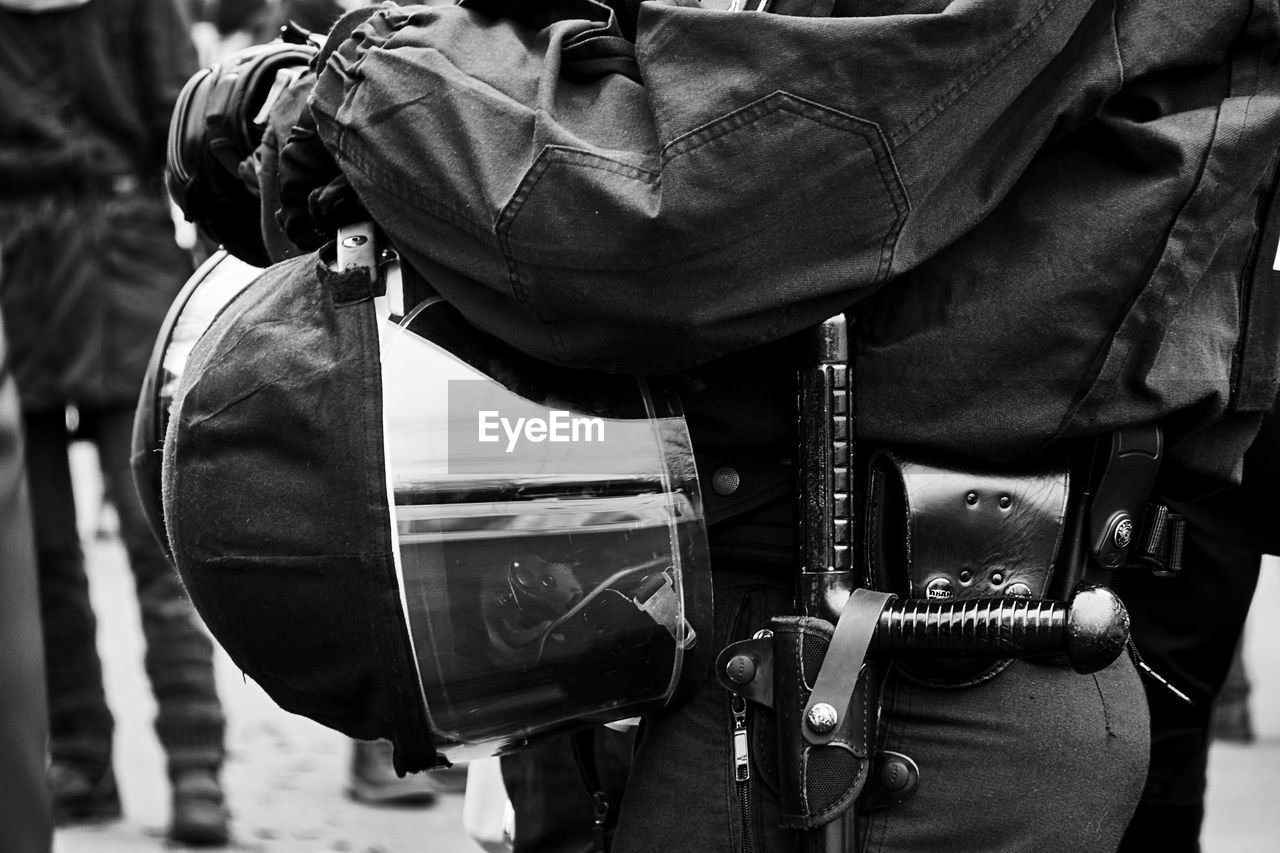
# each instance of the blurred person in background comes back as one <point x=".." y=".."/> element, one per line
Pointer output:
<point x="27" y="826"/>
<point x="86" y="92"/>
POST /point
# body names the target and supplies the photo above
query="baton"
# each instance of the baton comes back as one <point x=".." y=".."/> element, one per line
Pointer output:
<point x="825" y="466"/>
<point x="1092" y="629"/>
<point x="825" y="472"/>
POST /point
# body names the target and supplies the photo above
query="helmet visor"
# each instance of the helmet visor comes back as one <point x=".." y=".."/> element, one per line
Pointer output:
<point x="548" y="532"/>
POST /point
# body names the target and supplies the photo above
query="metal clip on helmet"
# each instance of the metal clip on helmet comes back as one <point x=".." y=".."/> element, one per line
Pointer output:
<point x="404" y="528"/>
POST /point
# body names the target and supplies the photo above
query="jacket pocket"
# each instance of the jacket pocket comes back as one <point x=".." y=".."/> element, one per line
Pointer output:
<point x="730" y="231"/>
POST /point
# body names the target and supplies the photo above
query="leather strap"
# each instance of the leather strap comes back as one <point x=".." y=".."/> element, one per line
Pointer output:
<point x="839" y="673"/>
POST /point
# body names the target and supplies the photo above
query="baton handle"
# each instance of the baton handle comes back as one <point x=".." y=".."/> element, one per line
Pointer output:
<point x="825" y="409"/>
<point x="1091" y="630"/>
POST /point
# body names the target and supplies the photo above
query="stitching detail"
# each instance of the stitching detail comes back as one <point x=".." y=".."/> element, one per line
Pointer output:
<point x="979" y="71"/>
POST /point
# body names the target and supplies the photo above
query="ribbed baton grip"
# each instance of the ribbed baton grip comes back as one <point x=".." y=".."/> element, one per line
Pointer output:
<point x="1091" y="630"/>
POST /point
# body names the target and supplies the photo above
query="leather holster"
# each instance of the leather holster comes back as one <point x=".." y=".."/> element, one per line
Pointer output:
<point x="803" y="662"/>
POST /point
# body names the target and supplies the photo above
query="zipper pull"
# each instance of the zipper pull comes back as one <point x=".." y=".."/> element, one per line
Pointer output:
<point x="741" y="756"/>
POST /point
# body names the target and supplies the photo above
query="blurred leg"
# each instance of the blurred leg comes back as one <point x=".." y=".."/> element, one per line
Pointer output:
<point x="1231" y="720"/>
<point x="80" y="723"/>
<point x="179" y="653"/>
<point x="27" y="826"/>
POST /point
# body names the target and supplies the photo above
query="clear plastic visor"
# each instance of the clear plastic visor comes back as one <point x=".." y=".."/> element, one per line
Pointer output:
<point x="546" y="521"/>
<point x="219" y="280"/>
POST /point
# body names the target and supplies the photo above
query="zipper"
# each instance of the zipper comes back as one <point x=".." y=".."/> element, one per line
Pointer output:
<point x="742" y="767"/>
<point x="741" y="741"/>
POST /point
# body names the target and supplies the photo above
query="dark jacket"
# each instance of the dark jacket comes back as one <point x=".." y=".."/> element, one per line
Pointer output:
<point x="89" y="260"/>
<point x="86" y="93"/>
<point x="1045" y="216"/>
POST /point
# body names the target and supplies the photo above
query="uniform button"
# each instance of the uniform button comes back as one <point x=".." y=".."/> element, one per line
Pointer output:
<point x="725" y="481"/>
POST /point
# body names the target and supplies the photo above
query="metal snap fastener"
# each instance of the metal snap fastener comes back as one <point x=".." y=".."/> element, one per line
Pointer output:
<point x="939" y="588"/>
<point x="725" y="481"/>
<point x="1124" y="532"/>
<point x="894" y="775"/>
<point x="822" y="718"/>
<point x="741" y="669"/>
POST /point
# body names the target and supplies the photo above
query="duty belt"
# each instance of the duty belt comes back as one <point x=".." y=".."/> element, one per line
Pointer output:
<point x="980" y="594"/>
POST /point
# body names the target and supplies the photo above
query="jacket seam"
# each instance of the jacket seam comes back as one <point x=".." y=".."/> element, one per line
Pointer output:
<point x="949" y="97"/>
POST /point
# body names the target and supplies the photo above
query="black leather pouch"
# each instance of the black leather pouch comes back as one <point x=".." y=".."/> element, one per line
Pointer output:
<point x="949" y="533"/>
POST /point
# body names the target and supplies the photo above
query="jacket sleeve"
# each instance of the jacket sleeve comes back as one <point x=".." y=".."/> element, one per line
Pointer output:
<point x="725" y="180"/>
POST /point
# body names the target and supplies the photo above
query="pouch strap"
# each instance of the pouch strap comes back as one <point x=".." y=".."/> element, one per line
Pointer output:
<point x="838" y="676"/>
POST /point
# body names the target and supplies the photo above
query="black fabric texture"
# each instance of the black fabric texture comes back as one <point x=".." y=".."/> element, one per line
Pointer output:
<point x="315" y="198"/>
<point x="283" y="537"/>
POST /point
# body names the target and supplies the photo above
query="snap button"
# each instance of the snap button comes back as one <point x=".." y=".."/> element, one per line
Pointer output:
<point x="939" y="589"/>
<point x="725" y="481"/>
<point x="741" y="669"/>
<point x="822" y="718"/>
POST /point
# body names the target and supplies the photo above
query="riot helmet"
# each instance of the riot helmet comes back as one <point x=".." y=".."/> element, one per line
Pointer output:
<point x="404" y="528"/>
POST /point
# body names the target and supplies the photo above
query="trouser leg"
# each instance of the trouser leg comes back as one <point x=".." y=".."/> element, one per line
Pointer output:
<point x="1231" y="719"/>
<point x="179" y="653"/>
<point x="1012" y="764"/>
<point x="80" y="724"/>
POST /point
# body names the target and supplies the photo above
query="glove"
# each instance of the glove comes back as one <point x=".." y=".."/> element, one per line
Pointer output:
<point x="316" y="199"/>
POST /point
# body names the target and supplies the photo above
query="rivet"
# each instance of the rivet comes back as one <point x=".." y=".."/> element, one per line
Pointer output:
<point x="822" y="718"/>
<point x="1005" y="501"/>
<point x="1018" y="590"/>
<point x="725" y="481"/>
<point x="997" y="578"/>
<point x="971" y="499"/>
<point x="965" y="576"/>
<point x="355" y="240"/>
<point x="939" y="589"/>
